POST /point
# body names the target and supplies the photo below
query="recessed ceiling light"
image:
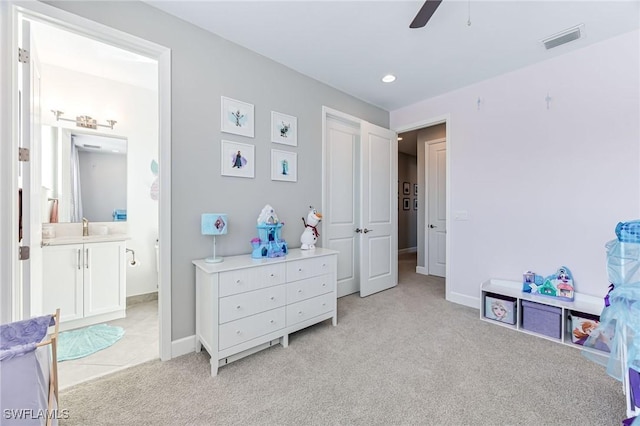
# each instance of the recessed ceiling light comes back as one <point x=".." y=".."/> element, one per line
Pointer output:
<point x="399" y="138"/>
<point x="389" y="78"/>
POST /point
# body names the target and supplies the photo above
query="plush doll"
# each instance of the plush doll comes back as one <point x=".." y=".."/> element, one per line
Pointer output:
<point x="310" y="234"/>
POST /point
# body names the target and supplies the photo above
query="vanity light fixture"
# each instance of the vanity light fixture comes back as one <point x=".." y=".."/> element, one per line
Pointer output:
<point x="389" y="78"/>
<point x="84" y="121"/>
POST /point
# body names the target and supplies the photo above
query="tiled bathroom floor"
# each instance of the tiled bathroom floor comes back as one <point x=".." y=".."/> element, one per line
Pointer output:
<point x="139" y="344"/>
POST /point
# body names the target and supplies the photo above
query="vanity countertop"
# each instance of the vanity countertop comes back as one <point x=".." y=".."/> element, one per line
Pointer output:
<point x="79" y="239"/>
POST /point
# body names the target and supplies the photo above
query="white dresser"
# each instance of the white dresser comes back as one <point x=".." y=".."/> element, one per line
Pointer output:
<point x="244" y="305"/>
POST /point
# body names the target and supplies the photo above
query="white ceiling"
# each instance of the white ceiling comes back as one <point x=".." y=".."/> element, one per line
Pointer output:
<point x="350" y="45"/>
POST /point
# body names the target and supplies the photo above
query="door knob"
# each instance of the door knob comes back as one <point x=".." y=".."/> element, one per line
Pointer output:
<point x="365" y="230"/>
<point x="432" y="226"/>
<point x="358" y="230"/>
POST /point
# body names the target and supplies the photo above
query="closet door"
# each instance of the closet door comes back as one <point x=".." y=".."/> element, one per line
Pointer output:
<point x="379" y="215"/>
<point x="342" y="215"/>
<point x="360" y="203"/>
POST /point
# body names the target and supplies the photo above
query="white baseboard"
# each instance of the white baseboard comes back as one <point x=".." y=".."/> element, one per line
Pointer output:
<point x="408" y="250"/>
<point x="421" y="270"/>
<point x="463" y="299"/>
<point x="183" y="346"/>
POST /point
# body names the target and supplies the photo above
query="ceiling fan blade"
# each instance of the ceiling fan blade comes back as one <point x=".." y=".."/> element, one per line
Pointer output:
<point x="425" y="13"/>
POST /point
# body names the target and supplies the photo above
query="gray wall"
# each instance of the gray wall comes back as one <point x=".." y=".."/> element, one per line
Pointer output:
<point x="407" y="219"/>
<point x="205" y="67"/>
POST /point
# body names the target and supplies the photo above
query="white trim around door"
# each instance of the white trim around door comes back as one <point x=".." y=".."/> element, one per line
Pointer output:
<point x="423" y="193"/>
<point x="10" y="13"/>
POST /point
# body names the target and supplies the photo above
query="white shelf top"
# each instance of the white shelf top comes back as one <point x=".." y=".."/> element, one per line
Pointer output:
<point x="245" y="260"/>
<point x="582" y="302"/>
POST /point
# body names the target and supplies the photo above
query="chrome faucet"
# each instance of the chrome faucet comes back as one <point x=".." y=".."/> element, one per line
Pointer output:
<point x="85" y="227"/>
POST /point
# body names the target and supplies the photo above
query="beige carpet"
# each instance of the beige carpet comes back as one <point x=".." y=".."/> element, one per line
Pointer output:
<point x="403" y="356"/>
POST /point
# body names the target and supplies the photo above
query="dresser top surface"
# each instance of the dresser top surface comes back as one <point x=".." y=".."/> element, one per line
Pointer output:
<point x="246" y="261"/>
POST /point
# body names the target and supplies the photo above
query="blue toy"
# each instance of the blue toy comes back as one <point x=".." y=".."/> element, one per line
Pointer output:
<point x="559" y="285"/>
<point x="269" y="242"/>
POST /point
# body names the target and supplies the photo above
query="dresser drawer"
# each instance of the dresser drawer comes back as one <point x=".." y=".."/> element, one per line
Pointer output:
<point x="239" y="331"/>
<point x="311" y="287"/>
<point x="250" y="303"/>
<point x="248" y="279"/>
<point x="307" y="268"/>
<point x="310" y="308"/>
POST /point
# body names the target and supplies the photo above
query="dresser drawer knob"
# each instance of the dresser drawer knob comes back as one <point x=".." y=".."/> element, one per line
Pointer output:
<point x="299" y="290"/>
<point x="237" y="331"/>
<point x="324" y="265"/>
<point x="299" y="269"/>
<point x="272" y="298"/>
<point x="324" y="304"/>
<point x="272" y="321"/>
<point x="324" y="284"/>
<point x="238" y="307"/>
<point x="299" y="312"/>
<point x="272" y="275"/>
<point x="237" y="281"/>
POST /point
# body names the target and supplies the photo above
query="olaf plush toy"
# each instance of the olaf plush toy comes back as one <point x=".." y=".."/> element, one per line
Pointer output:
<point x="310" y="234"/>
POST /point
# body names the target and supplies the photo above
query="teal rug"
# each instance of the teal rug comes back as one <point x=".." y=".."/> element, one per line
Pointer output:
<point x="82" y="342"/>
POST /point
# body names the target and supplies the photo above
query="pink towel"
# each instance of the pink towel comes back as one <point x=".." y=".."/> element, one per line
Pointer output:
<point x="53" y="218"/>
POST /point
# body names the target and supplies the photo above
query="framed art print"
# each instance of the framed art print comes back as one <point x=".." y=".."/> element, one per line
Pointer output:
<point x="236" y="117"/>
<point x="237" y="159"/>
<point x="284" y="165"/>
<point x="415" y="204"/>
<point x="405" y="203"/>
<point x="415" y="189"/>
<point x="284" y="129"/>
<point x="406" y="188"/>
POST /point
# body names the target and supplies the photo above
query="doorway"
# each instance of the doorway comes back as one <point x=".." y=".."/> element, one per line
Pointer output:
<point x="430" y="141"/>
<point x="43" y="14"/>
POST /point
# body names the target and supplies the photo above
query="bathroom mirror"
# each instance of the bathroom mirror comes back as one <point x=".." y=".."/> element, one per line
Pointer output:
<point x="83" y="175"/>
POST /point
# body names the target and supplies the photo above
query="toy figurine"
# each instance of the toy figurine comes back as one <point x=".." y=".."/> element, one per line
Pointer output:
<point x="310" y="234"/>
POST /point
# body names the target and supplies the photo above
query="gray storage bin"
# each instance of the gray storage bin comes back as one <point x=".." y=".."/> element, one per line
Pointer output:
<point x="542" y="319"/>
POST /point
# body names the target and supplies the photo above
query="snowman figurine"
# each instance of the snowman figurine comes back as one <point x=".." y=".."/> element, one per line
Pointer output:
<point x="310" y="234"/>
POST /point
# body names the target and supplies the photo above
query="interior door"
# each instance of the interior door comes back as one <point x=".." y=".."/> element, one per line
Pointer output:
<point x="379" y="216"/>
<point x="30" y="177"/>
<point x="342" y="217"/>
<point x="437" y="210"/>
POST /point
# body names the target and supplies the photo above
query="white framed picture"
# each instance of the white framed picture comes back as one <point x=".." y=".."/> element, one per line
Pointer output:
<point x="284" y="165"/>
<point x="236" y="117"/>
<point x="284" y="129"/>
<point x="237" y="159"/>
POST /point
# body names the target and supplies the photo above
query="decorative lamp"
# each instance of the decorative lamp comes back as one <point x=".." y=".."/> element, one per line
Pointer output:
<point x="214" y="224"/>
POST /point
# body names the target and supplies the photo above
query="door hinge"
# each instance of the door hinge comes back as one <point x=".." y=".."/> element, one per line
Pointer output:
<point x="23" y="154"/>
<point x="23" y="253"/>
<point x="23" y="55"/>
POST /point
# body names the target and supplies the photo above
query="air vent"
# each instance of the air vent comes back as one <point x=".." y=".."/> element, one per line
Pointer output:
<point x="564" y="37"/>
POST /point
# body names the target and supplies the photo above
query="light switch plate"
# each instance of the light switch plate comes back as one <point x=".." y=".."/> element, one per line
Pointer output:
<point x="461" y="215"/>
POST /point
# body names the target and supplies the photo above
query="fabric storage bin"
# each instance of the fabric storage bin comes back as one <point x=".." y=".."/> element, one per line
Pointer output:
<point x="585" y="331"/>
<point x="500" y="308"/>
<point x="542" y="319"/>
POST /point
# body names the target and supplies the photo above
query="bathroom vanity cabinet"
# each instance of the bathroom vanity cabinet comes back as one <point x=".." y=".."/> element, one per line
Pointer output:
<point x="87" y="281"/>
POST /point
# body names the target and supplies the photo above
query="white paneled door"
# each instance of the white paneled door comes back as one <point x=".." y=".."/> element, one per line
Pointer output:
<point x="379" y="236"/>
<point x="29" y="178"/>
<point x="342" y="209"/>
<point x="437" y="210"/>
<point x="359" y="207"/>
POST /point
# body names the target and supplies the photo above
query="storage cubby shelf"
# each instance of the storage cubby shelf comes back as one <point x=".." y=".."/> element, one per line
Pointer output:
<point x="582" y="304"/>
